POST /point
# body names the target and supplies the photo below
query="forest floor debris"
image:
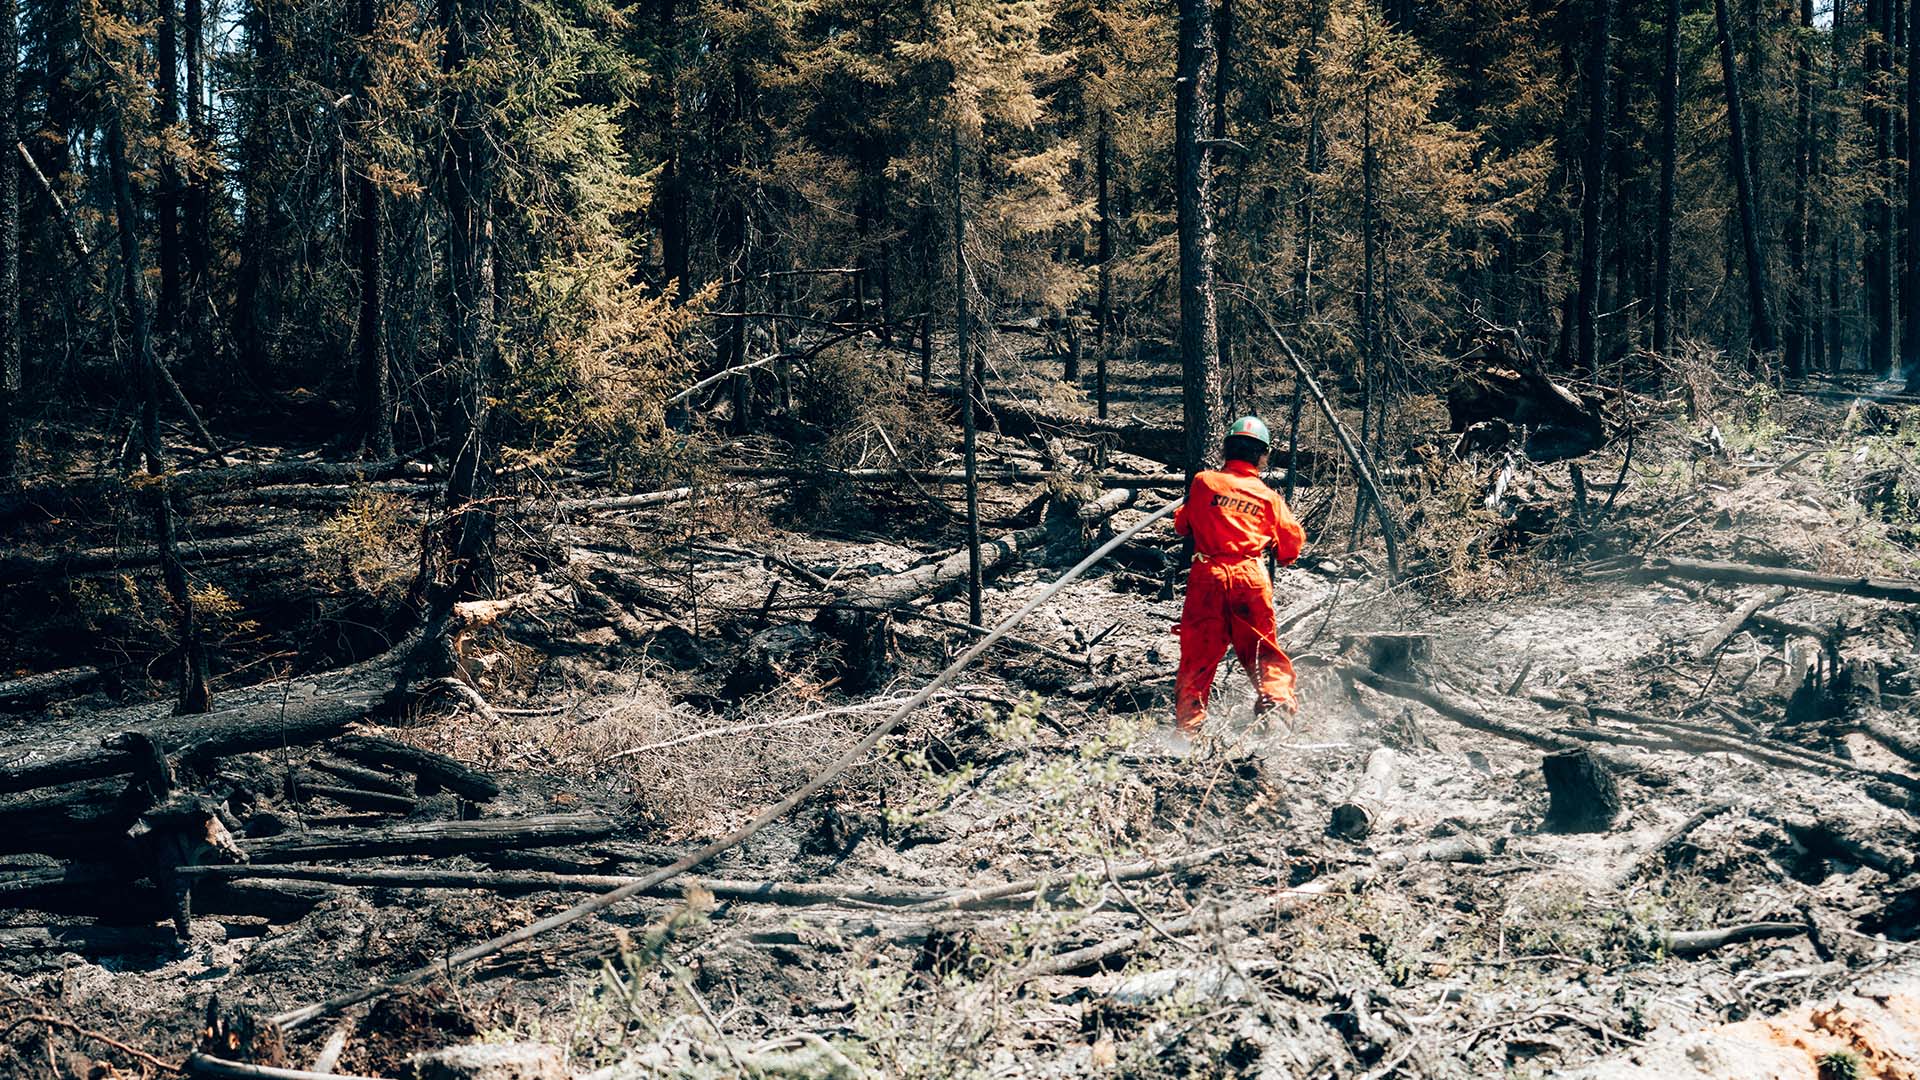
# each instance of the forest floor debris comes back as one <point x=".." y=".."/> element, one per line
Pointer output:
<point x="1010" y="879"/>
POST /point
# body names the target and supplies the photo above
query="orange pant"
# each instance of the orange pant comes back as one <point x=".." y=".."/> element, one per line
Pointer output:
<point x="1229" y="601"/>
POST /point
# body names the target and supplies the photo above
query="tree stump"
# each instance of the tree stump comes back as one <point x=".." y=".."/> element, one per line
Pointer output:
<point x="1584" y="795"/>
<point x="1395" y="656"/>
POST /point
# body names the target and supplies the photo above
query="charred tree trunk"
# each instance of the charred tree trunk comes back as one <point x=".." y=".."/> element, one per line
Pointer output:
<point x="167" y="204"/>
<point x="1233" y="384"/>
<point x="10" y="380"/>
<point x="198" y="201"/>
<point x="1199" y="347"/>
<point x="1369" y="298"/>
<point x="376" y="399"/>
<point x="1669" y="152"/>
<point x="1796" y="341"/>
<point x="1584" y="796"/>
<point x="737" y="263"/>
<point x="469" y="193"/>
<point x="1314" y="161"/>
<point x="1593" y="177"/>
<point x="1740" y="162"/>
<point x="674" y="239"/>
<point x="1910" y="315"/>
<point x="1878" y="272"/>
<point x="1103" y="311"/>
<point x="963" y="349"/>
<point x="194" y="697"/>
<point x="1835" y="347"/>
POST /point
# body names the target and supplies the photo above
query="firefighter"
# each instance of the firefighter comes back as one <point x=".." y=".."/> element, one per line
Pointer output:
<point x="1234" y="519"/>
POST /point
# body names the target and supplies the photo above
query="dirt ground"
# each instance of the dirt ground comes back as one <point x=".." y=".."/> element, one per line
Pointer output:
<point x="1462" y="938"/>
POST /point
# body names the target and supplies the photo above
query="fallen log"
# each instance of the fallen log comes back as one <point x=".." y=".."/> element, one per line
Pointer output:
<point x="1696" y="942"/>
<point x="87" y="939"/>
<point x="75" y="819"/>
<point x="308" y="712"/>
<point x="48" y="501"/>
<point x="319" y="496"/>
<point x="783" y="893"/>
<point x="1888" y="850"/>
<point x="17" y="567"/>
<point x="36" y="690"/>
<point x="436" y="772"/>
<point x="857" y="617"/>
<point x="1109" y="504"/>
<point x="935" y="578"/>
<point x="353" y="798"/>
<point x="1732" y="623"/>
<point x="1681" y="735"/>
<point x="1905" y="592"/>
<point x="1207" y="918"/>
<point x="208" y="1067"/>
<point x="987" y="894"/>
<point x="1365" y="808"/>
<point x="1895" y="742"/>
<point x="1155" y="481"/>
<point x="366" y="779"/>
<point x="649" y="499"/>
<point x="1469" y="718"/>
<point x="1465" y="848"/>
<point x="1021" y="644"/>
<point x="430" y="838"/>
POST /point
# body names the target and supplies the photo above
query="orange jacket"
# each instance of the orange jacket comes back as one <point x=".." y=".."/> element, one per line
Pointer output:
<point x="1231" y="513"/>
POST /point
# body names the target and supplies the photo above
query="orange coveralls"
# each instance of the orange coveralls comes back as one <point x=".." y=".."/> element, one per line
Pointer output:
<point x="1233" y="518"/>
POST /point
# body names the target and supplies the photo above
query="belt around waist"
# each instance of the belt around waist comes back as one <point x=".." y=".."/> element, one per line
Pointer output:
<point x="1203" y="557"/>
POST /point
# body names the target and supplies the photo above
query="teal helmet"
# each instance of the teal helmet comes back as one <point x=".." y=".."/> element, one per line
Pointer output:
<point x="1252" y="428"/>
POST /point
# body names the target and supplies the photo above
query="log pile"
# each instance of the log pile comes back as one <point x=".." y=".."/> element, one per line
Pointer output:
<point x="163" y="815"/>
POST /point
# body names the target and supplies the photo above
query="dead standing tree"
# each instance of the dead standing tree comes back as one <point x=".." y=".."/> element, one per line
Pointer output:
<point x="475" y="358"/>
<point x="1759" y="294"/>
<point x="963" y="347"/>
<point x="1199" y="325"/>
<point x="194" y="697"/>
<point x="9" y="247"/>
<point x="375" y="395"/>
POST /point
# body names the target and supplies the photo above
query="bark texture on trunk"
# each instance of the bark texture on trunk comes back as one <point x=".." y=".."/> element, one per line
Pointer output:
<point x="1103" y="312"/>
<point x="969" y="386"/>
<point x="1199" y="328"/>
<point x="1593" y="179"/>
<point x="469" y="193"/>
<point x="376" y="398"/>
<point x="1669" y="152"/>
<point x="1910" y="313"/>
<point x="10" y="375"/>
<point x="194" y="696"/>
<point x="1740" y="161"/>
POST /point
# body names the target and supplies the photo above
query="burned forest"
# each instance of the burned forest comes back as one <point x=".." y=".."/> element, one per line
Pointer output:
<point x="565" y="540"/>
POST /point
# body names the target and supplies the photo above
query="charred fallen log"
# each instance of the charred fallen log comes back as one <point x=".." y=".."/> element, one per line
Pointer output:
<point x="37" y="690"/>
<point x="262" y="726"/>
<point x="49" y="501"/>
<point x="1365" y="808"/>
<point x="16" y="567"/>
<point x="430" y="838"/>
<point x="858" y="617"/>
<point x="1905" y="592"/>
<point x="436" y="772"/>
<point x="1512" y="392"/>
